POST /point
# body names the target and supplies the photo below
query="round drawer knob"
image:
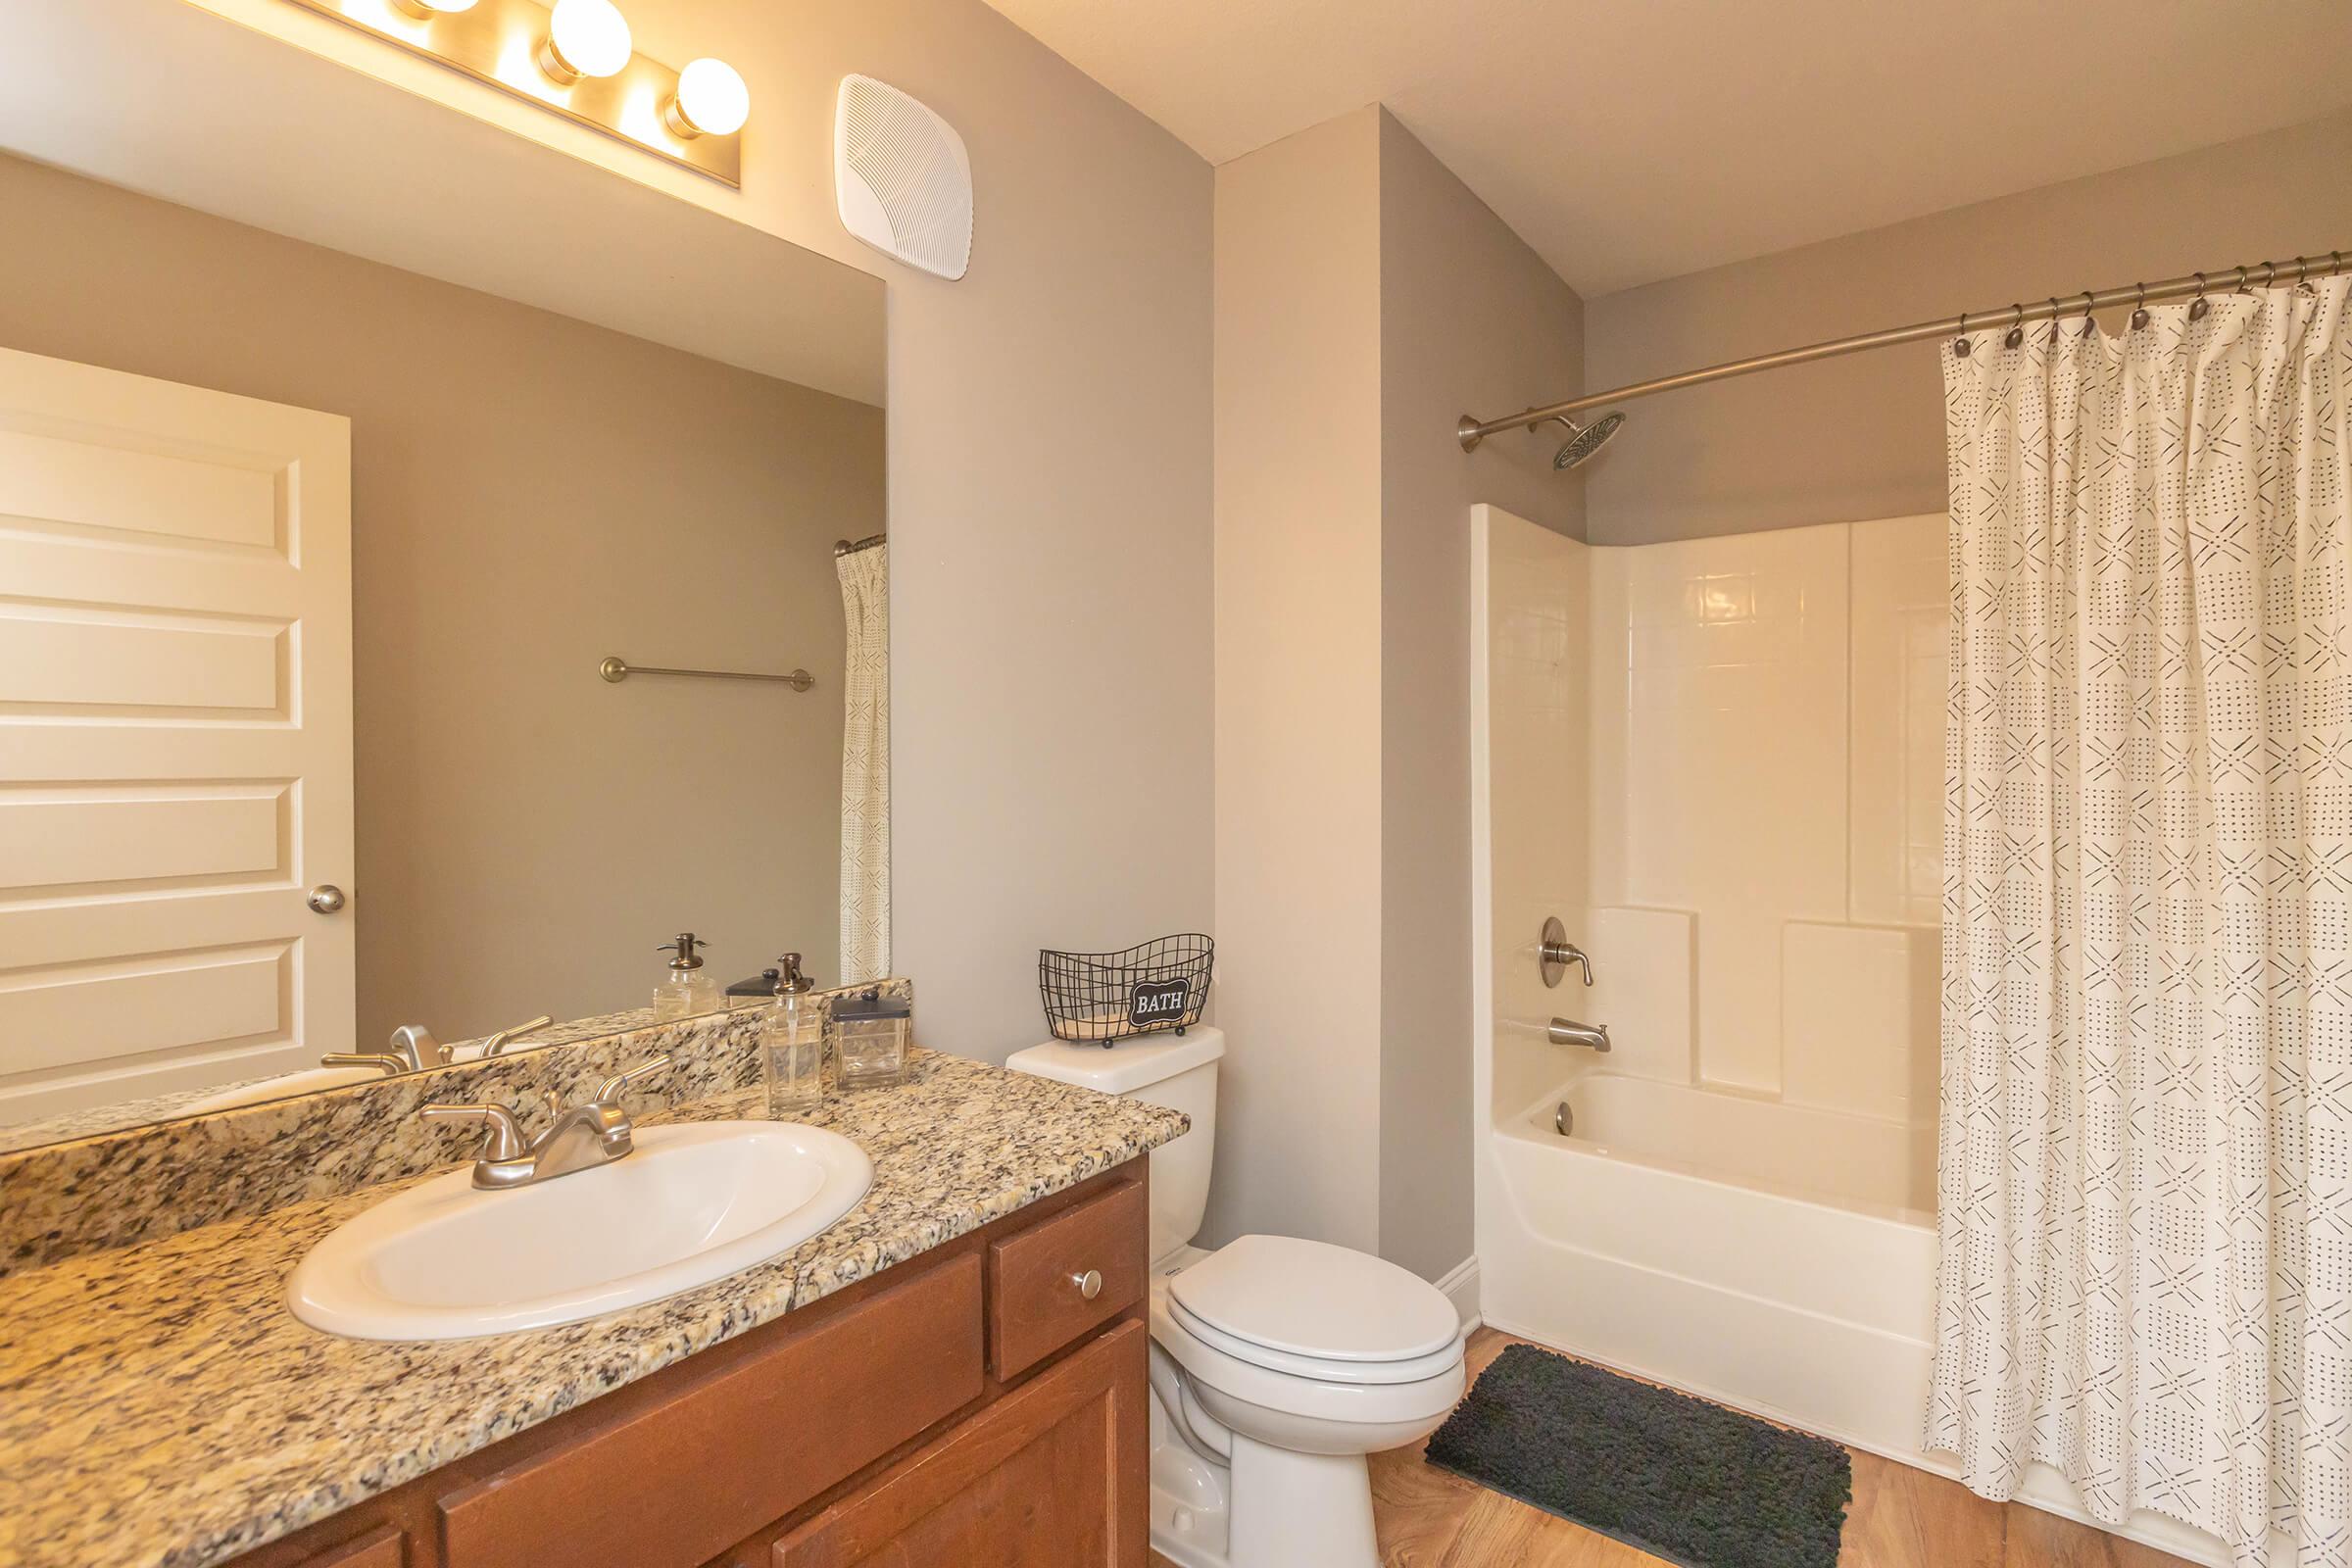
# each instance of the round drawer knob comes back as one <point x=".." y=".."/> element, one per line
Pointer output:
<point x="1090" y="1283"/>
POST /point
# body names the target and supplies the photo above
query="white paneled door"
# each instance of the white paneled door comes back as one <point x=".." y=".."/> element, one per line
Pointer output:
<point x="174" y="736"/>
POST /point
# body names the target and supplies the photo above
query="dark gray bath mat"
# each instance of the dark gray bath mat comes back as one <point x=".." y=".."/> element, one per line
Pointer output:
<point x="1677" y="1477"/>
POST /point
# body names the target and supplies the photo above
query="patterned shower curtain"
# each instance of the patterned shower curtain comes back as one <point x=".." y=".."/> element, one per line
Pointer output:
<point x="865" y="766"/>
<point x="2145" y="1187"/>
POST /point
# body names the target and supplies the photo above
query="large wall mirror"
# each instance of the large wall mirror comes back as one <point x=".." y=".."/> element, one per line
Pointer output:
<point x="316" y="564"/>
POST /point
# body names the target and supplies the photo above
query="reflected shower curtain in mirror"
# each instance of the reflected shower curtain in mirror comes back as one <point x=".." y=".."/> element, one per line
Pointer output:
<point x="2145" y="1172"/>
<point x="865" y="765"/>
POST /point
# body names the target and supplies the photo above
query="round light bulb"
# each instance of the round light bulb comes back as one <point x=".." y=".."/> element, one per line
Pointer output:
<point x="585" y="39"/>
<point x="711" y="101"/>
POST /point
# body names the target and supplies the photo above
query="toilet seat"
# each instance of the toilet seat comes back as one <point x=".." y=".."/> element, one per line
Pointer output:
<point x="1410" y="1369"/>
<point x="1217" y="1373"/>
<point x="1327" y="1311"/>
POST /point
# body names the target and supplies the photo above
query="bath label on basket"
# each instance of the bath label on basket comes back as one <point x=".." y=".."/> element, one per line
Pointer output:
<point x="1156" y="1002"/>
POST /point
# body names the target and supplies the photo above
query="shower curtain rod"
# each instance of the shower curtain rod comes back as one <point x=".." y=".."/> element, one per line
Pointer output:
<point x="1472" y="430"/>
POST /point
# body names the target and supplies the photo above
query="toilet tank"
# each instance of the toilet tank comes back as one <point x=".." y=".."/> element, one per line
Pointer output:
<point x="1174" y="1070"/>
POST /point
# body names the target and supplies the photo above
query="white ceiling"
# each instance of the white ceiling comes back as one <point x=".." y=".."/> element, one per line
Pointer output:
<point x="1640" y="139"/>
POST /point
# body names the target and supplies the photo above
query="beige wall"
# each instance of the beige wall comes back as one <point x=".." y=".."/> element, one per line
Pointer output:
<point x="1470" y="318"/>
<point x="1299" y="894"/>
<point x="1863" y="436"/>
<point x="1049" y="470"/>
<point x="528" y="494"/>
<point x="1364" y="300"/>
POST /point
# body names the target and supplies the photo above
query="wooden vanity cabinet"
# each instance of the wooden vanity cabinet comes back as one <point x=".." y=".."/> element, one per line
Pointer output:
<point x="1046" y="1477"/>
<point x="971" y="1406"/>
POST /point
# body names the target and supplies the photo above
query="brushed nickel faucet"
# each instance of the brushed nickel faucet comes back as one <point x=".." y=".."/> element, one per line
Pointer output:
<point x="1568" y="1032"/>
<point x="498" y="1042"/>
<point x="412" y="1049"/>
<point x="581" y="1138"/>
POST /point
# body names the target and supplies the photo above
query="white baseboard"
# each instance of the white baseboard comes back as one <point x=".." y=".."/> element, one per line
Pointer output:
<point x="1460" y="1285"/>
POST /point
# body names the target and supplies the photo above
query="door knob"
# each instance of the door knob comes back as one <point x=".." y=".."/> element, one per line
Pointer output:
<point x="1090" y="1284"/>
<point x="325" y="898"/>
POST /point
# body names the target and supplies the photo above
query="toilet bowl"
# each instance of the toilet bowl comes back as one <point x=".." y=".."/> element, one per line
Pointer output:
<point x="1277" y="1362"/>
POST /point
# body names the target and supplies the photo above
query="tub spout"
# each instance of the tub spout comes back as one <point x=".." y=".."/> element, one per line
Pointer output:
<point x="1568" y="1032"/>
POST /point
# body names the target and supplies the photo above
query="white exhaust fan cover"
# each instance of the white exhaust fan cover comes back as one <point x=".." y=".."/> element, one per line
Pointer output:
<point x="902" y="177"/>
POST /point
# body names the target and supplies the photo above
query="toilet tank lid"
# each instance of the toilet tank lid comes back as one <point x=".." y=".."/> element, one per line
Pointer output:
<point x="1124" y="1067"/>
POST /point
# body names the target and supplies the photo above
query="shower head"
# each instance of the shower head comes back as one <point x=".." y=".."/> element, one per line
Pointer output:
<point x="1584" y="439"/>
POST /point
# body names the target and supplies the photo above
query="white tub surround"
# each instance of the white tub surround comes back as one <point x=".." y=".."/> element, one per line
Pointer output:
<point x="1720" y="763"/>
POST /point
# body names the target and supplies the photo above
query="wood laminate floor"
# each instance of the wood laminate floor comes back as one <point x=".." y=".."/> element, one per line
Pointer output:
<point x="1900" y="1518"/>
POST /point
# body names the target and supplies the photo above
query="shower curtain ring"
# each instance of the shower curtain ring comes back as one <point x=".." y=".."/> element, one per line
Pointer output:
<point x="2270" y="273"/>
<point x="2198" y="308"/>
<point x="2302" y="274"/>
<point x="2017" y="326"/>
<point x="2057" y="318"/>
<point x="1960" y="343"/>
<point x="2139" y="305"/>
<point x="2239" y="288"/>
<point x="2091" y="323"/>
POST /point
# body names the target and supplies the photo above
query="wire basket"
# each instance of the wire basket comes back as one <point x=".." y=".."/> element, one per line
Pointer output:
<point x="1145" y="989"/>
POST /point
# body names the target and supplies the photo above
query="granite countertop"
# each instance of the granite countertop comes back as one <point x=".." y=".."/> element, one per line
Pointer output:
<point x="160" y="1405"/>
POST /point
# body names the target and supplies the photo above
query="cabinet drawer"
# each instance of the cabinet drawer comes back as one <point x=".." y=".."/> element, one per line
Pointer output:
<point x="679" y="1482"/>
<point x="381" y="1548"/>
<point x="1036" y="1301"/>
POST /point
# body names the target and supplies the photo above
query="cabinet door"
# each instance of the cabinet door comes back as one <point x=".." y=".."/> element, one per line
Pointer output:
<point x="1051" y="1476"/>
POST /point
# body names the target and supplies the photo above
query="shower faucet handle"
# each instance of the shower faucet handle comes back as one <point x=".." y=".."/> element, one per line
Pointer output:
<point x="1556" y="952"/>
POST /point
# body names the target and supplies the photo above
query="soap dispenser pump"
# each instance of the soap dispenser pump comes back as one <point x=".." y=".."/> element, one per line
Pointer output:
<point x="685" y="992"/>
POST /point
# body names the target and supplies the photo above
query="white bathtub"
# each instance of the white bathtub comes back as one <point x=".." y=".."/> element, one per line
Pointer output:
<point x="1764" y="1255"/>
<point x="1875" y="1166"/>
<point x="1636" y="1247"/>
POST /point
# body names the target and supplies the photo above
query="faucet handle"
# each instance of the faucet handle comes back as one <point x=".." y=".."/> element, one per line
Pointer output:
<point x="386" y="1063"/>
<point x="614" y="1085"/>
<point x="502" y="1138"/>
<point x="1556" y="952"/>
<point x="499" y="1040"/>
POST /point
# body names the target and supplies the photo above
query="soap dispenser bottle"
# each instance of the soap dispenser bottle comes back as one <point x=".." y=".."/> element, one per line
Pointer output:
<point x="685" y="992"/>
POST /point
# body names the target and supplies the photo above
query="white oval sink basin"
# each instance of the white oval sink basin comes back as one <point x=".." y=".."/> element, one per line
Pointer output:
<point x="694" y="1202"/>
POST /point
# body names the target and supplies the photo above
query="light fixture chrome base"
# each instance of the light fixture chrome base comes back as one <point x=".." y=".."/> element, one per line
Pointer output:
<point x="559" y="71"/>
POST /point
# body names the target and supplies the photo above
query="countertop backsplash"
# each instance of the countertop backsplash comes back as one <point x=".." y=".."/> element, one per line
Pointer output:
<point x="118" y="1188"/>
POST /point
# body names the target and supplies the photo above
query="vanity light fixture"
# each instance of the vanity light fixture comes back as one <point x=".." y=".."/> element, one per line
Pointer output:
<point x="711" y="101"/>
<point x="573" y="59"/>
<point x="585" y="39"/>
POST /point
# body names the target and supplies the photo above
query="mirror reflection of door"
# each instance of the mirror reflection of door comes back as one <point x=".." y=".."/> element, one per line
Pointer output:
<point x="176" y="707"/>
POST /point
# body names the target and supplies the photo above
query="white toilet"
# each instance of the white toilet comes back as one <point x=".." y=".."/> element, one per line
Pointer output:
<point x="1277" y="1364"/>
